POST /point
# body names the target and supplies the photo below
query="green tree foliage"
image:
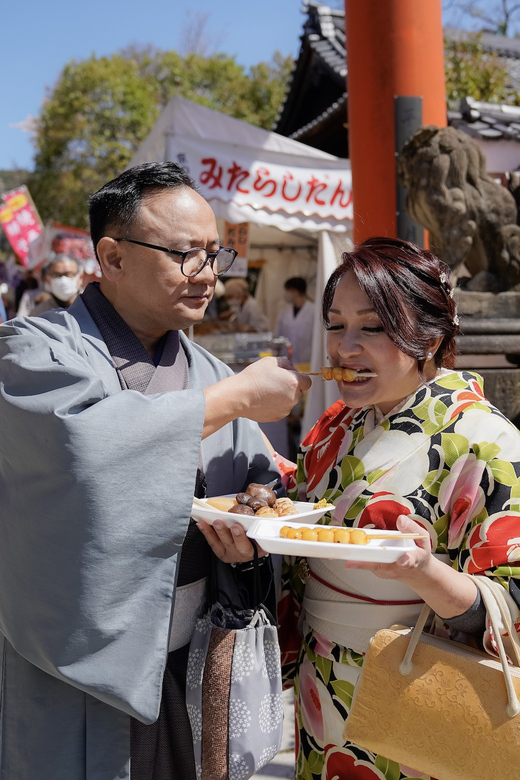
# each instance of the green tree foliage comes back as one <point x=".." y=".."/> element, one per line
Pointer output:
<point x="472" y="71"/>
<point x="10" y="179"/>
<point x="101" y="109"/>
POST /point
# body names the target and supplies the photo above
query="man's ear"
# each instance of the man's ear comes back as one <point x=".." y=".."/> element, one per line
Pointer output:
<point x="109" y="254"/>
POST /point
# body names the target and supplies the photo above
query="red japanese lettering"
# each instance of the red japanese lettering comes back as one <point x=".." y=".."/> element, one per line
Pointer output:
<point x="213" y="176"/>
<point x="287" y="177"/>
<point x="237" y="175"/>
<point x="259" y="185"/>
<point x="340" y="192"/>
<point x="315" y="187"/>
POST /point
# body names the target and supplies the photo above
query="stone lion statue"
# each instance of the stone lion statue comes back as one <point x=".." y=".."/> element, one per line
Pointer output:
<point x="472" y="219"/>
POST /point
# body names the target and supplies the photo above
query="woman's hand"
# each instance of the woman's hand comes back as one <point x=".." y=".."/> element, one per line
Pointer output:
<point x="231" y="545"/>
<point x="448" y="592"/>
<point x="410" y="565"/>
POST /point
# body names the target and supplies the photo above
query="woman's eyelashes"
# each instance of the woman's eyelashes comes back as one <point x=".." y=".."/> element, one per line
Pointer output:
<point x="333" y="326"/>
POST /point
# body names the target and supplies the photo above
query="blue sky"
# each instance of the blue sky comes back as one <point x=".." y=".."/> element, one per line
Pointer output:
<point x="38" y="40"/>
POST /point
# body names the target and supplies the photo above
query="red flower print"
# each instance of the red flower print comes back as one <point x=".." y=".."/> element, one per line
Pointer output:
<point x="322" y="444"/>
<point x="495" y="542"/>
<point x="342" y="764"/>
<point x="464" y="398"/>
<point x="383" y="510"/>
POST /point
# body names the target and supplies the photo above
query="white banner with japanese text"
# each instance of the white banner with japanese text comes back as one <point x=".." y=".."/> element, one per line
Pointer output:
<point x="231" y="173"/>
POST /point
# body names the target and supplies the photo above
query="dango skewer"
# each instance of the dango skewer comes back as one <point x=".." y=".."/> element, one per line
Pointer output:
<point x="340" y="374"/>
<point x="340" y="535"/>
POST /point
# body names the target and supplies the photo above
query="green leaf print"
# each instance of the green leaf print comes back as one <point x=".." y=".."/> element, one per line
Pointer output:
<point x="485" y="450"/>
<point x="439" y="411"/>
<point x="454" y="446"/>
<point x="311" y="655"/>
<point x="503" y="472"/>
<point x="351" y="469"/>
<point x="351" y="658"/>
<point x="451" y="382"/>
<point x="433" y="481"/>
<point x="388" y="768"/>
<point x="324" y="667"/>
<point x="441" y="529"/>
<point x="355" y="508"/>
<point x="515" y="498"/>
<point x="375" y="475"/>
<point x="303" y="770"/>
<point x="506" y="571"/>
<point x="315" y="762"/>
<point x="421" y="411"/>
<point x="344" y="691"/>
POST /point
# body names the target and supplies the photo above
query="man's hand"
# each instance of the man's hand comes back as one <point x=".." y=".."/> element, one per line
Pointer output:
<point x="264" y="391"/>
<point x="231" y="545"/>
<point x="272" y="387"/>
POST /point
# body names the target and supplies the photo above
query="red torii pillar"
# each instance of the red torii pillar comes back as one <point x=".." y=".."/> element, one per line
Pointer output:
<point x="394" y="48"/>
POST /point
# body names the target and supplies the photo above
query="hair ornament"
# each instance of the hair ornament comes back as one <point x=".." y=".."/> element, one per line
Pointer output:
<point x="443" y="278"/>
<point x="456" y="320"/>
<point x="452" y="292"/>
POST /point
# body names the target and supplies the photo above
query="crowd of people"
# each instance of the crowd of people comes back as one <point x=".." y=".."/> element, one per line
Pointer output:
<point x="112" y="421"/>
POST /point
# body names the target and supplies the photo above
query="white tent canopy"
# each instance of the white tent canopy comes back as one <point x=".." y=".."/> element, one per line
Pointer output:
<point x="293" y="196"/>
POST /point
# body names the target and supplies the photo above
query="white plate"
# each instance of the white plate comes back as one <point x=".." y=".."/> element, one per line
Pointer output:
<point x="306" y="514"/>
<point x="267" y="534"/>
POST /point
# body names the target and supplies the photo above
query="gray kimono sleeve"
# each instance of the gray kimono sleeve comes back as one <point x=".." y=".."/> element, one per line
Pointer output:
<point x="95" y="499"/>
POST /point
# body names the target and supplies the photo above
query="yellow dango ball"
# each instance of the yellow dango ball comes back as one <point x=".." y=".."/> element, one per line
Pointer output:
<point x="284" y="531"/>
<point x="326" y="535"/>
<point x="342" y="536"/>
<point x="358" y="536"/>
<point x="291" y="533"/>
<point x="310" y="535"/>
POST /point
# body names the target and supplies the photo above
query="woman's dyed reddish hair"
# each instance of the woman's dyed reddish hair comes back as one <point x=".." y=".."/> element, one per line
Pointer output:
<point x="410" y="290"/>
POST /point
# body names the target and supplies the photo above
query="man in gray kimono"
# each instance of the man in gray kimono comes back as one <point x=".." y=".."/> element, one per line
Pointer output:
<point x="110" y="422"/>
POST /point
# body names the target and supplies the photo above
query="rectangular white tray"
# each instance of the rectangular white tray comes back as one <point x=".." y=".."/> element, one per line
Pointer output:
<point x="267" y="533"/>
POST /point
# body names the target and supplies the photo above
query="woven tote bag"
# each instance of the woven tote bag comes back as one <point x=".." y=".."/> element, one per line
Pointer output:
<point x="440" y="707"/>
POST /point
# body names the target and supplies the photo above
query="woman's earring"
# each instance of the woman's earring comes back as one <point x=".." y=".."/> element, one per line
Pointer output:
<point x="429" y="355"/>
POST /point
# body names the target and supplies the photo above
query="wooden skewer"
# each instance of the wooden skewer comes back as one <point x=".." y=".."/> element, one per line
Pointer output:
<point x="401" y="536"/>
<point x="320" y="373"/>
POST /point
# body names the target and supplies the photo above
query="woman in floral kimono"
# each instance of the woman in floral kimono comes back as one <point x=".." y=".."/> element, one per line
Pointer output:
<point x="416" y="448"/>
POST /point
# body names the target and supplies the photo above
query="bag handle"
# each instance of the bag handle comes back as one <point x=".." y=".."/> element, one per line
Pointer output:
<point x="496" y="606"/>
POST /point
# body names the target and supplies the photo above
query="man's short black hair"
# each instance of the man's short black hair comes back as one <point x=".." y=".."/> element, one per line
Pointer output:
<point x="116" y="204"/>
<point x="296" y="283"/>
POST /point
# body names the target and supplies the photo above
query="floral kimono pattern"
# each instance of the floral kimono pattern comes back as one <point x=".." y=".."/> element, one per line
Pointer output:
<point x="449" y="459"/>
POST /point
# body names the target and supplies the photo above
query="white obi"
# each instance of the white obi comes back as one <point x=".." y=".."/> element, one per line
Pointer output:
<point x="352" y="622"/>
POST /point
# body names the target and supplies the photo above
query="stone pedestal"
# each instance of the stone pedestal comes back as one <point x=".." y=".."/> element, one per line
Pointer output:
<point x="490" y="325"/>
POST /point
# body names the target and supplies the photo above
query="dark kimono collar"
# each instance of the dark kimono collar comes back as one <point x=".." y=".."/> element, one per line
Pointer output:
<point x="135" y="368"/>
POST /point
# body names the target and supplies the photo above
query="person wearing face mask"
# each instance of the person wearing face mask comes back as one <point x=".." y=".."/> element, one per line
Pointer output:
<point x="245" y="313"/>
<point x="296" y="320"/>
<point x="61" y="279"/>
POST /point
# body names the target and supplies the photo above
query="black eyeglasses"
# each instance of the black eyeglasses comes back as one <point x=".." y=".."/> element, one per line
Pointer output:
<point x="194" y="260"/>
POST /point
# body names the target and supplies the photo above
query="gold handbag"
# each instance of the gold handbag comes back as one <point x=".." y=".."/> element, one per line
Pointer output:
<point x="440" y="707"/>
